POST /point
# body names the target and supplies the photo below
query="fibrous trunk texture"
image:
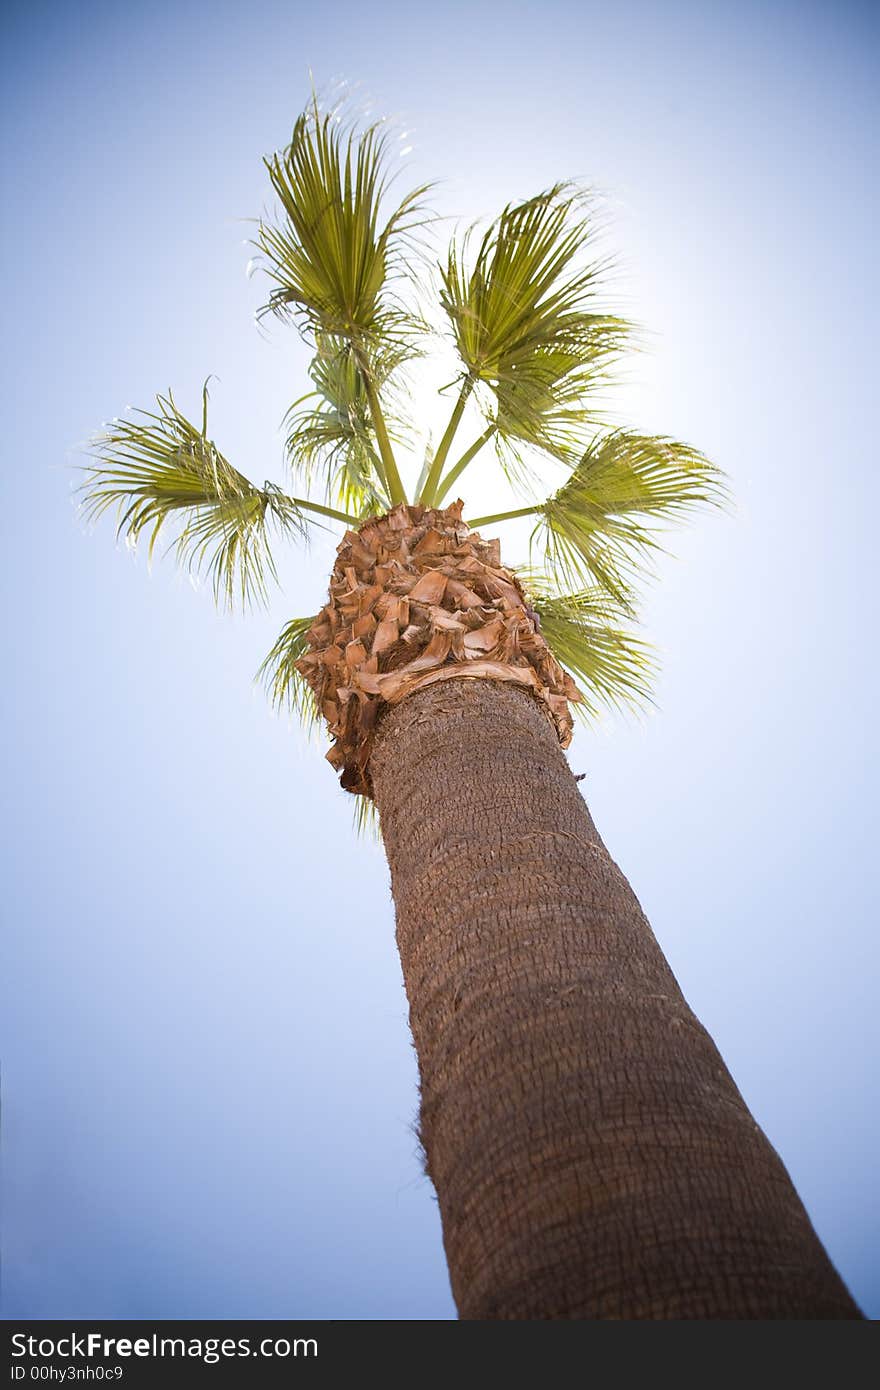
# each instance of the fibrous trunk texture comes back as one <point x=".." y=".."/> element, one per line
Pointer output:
<point x="591" y="1155"/>
<point x="417" y="598"/>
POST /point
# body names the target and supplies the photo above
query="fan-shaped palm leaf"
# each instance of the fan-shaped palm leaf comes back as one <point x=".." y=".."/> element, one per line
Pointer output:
<point x="543" y="403"/>
<point x="526" y="324"/>
<point x="160" y="468"/>
<point x="366" y="818"/>
<point x="335" y="438"/>
<point x="334" y="254"/>
<point x="599" y="526"/>
<point x="517" y="300"/>
<point x="585" y="633"/>
<point x="286" y="687"/>
<point x="289" y="690"/>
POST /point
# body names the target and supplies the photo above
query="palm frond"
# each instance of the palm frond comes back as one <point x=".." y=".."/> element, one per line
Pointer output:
<point x="334" y="438"/>
<point x="587" y="633"/>
<point x="159" y="469"/>
<point x="286" y="688"/>
<point x="545" y="402"/>
<point x="526" y="323"/>
<point x="366" y="818"/>
<point x="602" y="523"/>
<point x="335" y="254"/>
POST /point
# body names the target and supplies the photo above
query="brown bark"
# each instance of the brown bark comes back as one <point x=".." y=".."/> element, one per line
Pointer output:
<point x="591" y="1155"/>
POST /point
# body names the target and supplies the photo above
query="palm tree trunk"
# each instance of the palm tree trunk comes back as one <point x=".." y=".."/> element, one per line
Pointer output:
<point x="591" y="1154"/>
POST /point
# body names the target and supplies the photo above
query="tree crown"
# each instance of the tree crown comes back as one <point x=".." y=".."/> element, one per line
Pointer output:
<point x="522" y="306"/>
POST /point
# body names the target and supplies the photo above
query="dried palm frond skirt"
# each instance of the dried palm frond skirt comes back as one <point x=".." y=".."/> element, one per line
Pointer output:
<point x="417" y="597"/>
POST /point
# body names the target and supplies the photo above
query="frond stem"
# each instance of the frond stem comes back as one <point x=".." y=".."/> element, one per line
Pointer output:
<point x="506" y="516"/>
<point x="391" y="477"/>
<point x="326" y="511"/>
<point x="429" y="491"/>
<point x="457" y="469"/>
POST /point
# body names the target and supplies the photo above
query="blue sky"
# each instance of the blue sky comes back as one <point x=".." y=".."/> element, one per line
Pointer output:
<point x="208" y="1082"/>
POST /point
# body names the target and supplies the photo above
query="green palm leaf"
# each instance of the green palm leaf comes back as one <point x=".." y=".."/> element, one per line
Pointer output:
<point x="366" y="818"/>
<point x="543" y="403"/>
<point x="518" y="299"/>
<point x="336" y="258"/>
<point x="286" y="687"/>
<point x="334" y="254"/>
<point x="289" y="690"/>
<point x="585" y="633"/>
<point x="335" y="438"/>
<point x="526" y="324"/>
<point x="600" y="526"/>
<point x="160" y="469"/>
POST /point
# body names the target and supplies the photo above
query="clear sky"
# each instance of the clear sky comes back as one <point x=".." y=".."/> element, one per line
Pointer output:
<point x="208" y="1082"/>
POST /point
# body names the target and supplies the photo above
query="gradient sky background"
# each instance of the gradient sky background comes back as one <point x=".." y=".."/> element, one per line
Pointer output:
<point x="208" y="1085"/>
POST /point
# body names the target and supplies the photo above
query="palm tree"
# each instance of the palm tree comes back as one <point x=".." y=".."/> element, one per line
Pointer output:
<point x="591" y="1154"/>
